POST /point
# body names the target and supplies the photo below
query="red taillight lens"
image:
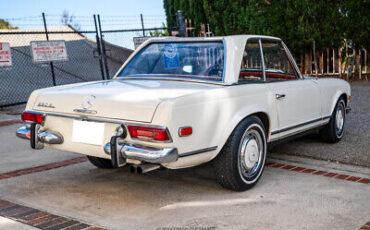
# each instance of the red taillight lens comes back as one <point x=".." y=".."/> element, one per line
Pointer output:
<point x="185" y="131"/>
<point x="148" y="133"/>
<point x="32" y="117"/>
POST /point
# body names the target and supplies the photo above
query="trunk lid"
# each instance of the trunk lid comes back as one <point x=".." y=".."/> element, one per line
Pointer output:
<point x="134" y="100"/>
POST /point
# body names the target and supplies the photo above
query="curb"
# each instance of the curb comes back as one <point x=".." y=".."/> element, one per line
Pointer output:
<point x="42" y="168"/>
<point x="339" y="176"/>
<point x="10" y="122"/>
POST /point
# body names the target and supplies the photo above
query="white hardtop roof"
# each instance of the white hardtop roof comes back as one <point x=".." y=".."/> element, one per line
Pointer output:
<point x="229" y="37"/>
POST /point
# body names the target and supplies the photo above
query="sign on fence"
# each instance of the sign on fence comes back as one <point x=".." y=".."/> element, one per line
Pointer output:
<point x="47" y="51"/>
<point x="139" y="40"/>
<point x="5" y="55"/>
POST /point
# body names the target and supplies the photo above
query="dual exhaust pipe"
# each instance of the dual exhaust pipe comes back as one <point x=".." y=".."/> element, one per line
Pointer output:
<point x="141" y="169"/>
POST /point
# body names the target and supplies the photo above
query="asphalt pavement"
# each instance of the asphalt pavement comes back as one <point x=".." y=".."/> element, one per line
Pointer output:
<point x="354" y="148"/>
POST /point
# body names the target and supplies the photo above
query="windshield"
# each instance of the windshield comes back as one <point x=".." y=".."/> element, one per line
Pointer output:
<point x="200" y="60"/>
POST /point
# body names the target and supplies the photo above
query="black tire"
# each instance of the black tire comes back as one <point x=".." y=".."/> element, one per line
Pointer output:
<point x="331" y="132"/>
<point x="229" y="166"/>
<point x="100" y="162"/>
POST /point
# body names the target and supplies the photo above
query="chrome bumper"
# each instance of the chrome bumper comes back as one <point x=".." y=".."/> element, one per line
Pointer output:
<point x="125" y="150"/>
<point x="143" y="153"/>
<point x="48" y="137"/>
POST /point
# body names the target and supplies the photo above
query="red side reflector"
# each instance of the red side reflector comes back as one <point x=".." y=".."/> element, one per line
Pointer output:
<point x="148" y="133"/>
<point x="32" y="117"/>
<point x="185" y="131"/>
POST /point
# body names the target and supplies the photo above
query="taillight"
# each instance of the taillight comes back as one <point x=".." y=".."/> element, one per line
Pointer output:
<point x="28" y="116"/>
<point x="148" y="133"/>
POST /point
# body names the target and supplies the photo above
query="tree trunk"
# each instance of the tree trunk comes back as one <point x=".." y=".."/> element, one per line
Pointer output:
<point x="310" y="62"/>
<point x="322" y="62"/>
<point x="301" y="67"/>
<point x="327" y="60"/>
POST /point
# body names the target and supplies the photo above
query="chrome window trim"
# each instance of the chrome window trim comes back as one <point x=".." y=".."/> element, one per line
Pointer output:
<point x="263" y="61"/>
<point x="292" y="61"/>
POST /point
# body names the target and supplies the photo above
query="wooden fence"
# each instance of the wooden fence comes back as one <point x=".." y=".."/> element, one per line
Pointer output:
<point x="336" y="62"/>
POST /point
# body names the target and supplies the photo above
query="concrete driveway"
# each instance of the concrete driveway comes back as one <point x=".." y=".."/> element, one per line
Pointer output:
<point x="293" y="193"/>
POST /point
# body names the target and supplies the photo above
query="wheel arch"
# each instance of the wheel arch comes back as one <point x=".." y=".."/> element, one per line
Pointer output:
<point x="338" y="96"/>
<point x="261" y="114"/>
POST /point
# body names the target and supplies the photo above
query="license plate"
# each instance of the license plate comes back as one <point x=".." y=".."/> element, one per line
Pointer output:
<point x="88" y="132"/>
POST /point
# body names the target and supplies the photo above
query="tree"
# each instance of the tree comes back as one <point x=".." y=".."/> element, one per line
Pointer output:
<point x="6" y="25"/>
<point x="356" y="23"/>
<point x="297" y="22"/>
<point x="69" y="20"/>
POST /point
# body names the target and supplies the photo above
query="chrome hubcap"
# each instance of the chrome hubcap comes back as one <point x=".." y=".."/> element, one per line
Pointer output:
<point x="339" y="119"/>
<point x="250" y="152"/>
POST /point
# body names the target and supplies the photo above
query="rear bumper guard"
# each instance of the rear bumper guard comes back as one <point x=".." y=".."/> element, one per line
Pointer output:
<point x="37" y="136"/>
<point x="143" y="153"/>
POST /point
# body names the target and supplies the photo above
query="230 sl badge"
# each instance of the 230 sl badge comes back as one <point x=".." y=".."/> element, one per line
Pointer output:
<point x="46" y="105"/>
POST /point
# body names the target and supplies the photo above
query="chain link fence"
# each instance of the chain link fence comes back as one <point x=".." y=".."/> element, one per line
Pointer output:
<point x="93" y="54"/>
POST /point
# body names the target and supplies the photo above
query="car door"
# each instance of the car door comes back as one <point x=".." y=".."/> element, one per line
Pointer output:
<point x="297" y="100"/>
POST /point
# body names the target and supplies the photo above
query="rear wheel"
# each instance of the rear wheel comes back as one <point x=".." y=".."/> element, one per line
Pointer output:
<point x="100" y="162"/>
<point x="241" y="161"/>
<point x="333" y="131"/>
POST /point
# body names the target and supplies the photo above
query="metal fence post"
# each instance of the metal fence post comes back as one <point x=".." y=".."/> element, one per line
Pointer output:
<point x="180" y="23"/>
<point x="99" y="49"/>
<point x="142" y="24"/>
<point x="104" y="55"/>
<point x="47" y="38"/>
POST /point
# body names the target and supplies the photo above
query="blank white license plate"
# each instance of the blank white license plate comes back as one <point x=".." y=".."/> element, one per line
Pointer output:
<point x="88" y="132"/>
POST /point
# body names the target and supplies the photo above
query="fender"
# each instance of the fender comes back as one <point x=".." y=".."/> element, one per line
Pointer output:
<point x="236" y="119"/>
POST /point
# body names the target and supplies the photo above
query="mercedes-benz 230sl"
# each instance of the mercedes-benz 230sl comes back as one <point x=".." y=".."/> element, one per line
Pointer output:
<point x="181" y="102"/>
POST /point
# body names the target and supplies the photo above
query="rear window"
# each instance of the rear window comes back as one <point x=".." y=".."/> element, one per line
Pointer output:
<point x="199" y="60"/>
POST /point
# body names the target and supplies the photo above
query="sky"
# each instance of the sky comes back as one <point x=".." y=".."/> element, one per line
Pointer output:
<point x="115" y="14"/>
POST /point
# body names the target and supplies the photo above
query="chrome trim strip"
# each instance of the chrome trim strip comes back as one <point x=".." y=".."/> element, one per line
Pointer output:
<point x="85" y="111"/>
<point x="175" y="79"/>
<point x="84" y="118"/>
<point x="299" y="125"/>
<point x="198" y="151"/>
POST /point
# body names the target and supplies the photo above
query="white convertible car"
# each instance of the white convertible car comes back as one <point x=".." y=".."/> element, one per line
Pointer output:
<point x="181" y="102"/>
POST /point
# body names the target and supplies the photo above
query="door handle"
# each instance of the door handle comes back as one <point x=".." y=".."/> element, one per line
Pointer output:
<point x="279" y="96"/>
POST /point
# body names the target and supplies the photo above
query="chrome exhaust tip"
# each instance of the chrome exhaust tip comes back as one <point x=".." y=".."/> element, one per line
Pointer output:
<point x="133" y="168"/>
<point x="141" y="169"/>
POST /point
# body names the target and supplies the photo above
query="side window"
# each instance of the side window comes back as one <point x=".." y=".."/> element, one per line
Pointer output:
<point x="251" y="67"/>
<point x="277" y="64"/>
